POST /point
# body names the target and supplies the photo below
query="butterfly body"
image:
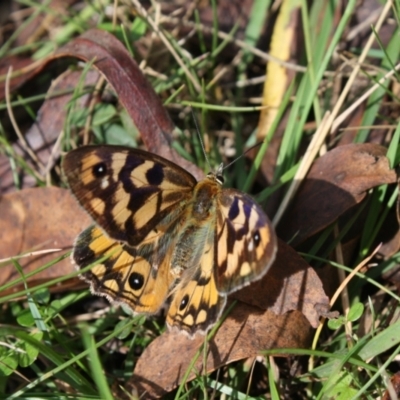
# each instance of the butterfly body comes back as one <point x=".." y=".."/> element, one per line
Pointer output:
<point x="161" y="234"/>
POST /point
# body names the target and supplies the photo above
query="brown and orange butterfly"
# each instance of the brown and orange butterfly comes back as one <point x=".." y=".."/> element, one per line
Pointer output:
<point x="160" y="235"/>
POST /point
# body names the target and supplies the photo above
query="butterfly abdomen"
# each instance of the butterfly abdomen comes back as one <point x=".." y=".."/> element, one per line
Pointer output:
<point x="190" y="246"/>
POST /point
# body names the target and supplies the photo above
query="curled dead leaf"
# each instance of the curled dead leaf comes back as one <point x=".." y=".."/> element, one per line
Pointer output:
<point x="134" y="91"/>
<point x="337" y="181"/>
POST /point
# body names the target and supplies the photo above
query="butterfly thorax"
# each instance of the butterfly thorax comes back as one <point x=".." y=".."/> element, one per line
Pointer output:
<point x="197" y="233"/>
<point x="204" y="197"/>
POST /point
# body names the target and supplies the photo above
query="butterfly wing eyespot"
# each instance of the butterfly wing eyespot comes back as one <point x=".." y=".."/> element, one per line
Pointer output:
<point x="256" y="238"/>
<point x="184" y="302"/>
<point x="99" y="170"/>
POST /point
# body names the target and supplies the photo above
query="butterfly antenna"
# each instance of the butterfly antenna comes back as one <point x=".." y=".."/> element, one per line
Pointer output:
<point x="201" y="140"/>
<point x="243" y="154"/>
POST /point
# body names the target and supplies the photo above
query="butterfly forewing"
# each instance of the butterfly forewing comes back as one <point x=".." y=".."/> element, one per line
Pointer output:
<point x="126" y="191"/>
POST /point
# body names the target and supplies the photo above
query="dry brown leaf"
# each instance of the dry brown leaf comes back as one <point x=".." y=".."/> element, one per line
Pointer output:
<point x="337" y="181"/>
<point x="245" y="333"/>
<point x="39" y="219"/>
<point x="389" y="236"/>
<point x="290" y="284"/>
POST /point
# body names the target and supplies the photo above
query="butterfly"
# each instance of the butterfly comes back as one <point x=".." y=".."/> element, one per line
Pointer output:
<point x="160" y="236"/>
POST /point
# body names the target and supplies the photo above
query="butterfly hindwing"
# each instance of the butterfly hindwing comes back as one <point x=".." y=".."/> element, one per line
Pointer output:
<point x="120" y="274"/>
<point x="196" y="304"/>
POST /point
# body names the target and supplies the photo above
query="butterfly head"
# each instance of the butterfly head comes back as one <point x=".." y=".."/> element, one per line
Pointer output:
<point x="217" y="175"/>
